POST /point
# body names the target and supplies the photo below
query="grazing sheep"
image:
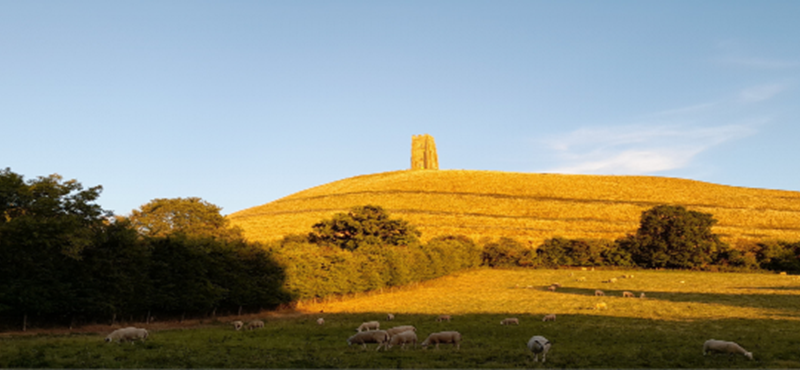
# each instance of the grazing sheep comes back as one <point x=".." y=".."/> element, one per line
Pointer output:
<point x="722" y="346"/>
<point x="443" y="337"/>
<point x="238" y="325"/>
<point x="509" y="321"/>
<point x="389" y="317"/>
<point x="369" y="325"/>
<point x="406" y="337"/>
<point x="373" y="336"/>
<point x="552" y="288"/>
<point x="627" y="276"/>
<point x="320" y="321"/>
<point x="127" y="334"/>
<point x="599" y="293"/>
<point x="255" y="324"/>
<point x="612" y="280"/>
<point x="557" y="285"/>
<point x="641" y="295"/>
<point x="539" y="344"/>
<point x="627" y="294"/>
<point x="400" y="329"/>
<point x="549" y="317"/>
<point x="601" y="305"/>
<point x="582" y="278"/>
<point x="443" y="318"/>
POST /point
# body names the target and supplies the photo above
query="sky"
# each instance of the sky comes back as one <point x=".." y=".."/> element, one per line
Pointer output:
<point x="242" y="103"/>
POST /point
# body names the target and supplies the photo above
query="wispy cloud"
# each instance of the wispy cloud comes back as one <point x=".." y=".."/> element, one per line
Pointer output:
<point x="760" y="93"/>
<point x="761" y="63"/>
<point x="638" y="149"/>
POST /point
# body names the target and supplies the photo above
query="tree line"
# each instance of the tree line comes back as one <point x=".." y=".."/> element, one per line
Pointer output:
<point x="65" y="261"/>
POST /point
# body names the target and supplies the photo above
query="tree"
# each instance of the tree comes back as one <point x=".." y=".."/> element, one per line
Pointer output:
<point x="45" y="225"/>
<point x="192" y="217"/>
<point x="673" y="237"/>
<point x="364" y="225"/>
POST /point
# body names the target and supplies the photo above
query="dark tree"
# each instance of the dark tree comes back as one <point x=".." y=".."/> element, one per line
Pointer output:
<point x="673" y="237"/>
<point x="192" y="217"/>
<point x="364" y="225"/>
<point x="45" y="225"/>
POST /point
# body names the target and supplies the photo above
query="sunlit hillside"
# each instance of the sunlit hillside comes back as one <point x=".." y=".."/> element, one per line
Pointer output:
<point x="527" y="206"/>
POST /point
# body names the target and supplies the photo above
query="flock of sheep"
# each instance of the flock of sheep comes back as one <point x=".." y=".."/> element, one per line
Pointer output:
<point x="369" y="332"/>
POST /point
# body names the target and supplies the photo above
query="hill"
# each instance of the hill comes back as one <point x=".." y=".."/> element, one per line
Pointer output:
<point x="527" y="206"/>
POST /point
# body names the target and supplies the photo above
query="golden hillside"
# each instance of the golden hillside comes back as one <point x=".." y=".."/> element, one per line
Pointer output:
<point x="527" y="206"/>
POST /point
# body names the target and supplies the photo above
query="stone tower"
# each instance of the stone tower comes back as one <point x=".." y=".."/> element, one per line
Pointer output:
<point x="423" y="153"/>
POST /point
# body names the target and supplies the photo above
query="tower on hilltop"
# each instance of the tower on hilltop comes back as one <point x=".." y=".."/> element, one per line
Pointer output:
<point x="423" y="153"/>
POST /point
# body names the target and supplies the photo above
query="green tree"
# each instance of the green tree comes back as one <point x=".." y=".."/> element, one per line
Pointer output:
<point x="192" y="217"/>
<point x="364" y="225"/>
<point x="674" y="237"/>
<point x="45" y="225"/>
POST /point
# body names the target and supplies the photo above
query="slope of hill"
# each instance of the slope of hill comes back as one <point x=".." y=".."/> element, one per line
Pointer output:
<point x="527" y="206"/>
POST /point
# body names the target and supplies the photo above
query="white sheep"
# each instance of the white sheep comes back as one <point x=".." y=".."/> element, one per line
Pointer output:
<point x="369" y="325"/>
<point x="127" y="334"/>
<point x="601" y="305"/>
<point x="238" y="325"/>
<point x="539" y="344"/>
<point x="599" y="293"/>
<point x="320" y="321"/>
<point x="642" y="295"/>
<point x="557" y="285"/>
<point x="373" y="336"/>
<point x="443" y="318"/>
<point x="549" y="317"/>
<point x="627" y="294"/>
<point x="453" y="337"/>
<point x="509" y="321"/>
<point x="582" y="278"/>
<point x="552" y="288"/>
<point x="406" y="337"/>
<point x="255" y="324"/>
<point x="400" y="329"/>
<point x="722" y="346"/>
<point x="389" y="317"/>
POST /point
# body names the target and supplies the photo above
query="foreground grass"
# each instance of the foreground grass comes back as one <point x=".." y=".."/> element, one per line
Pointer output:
<point x="665" y="330"/>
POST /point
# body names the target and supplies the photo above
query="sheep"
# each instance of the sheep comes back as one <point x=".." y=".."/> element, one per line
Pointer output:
<point x="255" y="324"/>
<point x="641" y="296"/>
<point x="372" y="336"/>
<point x="612" y="280"/>
<point x="582" y="278"/>
<point x="406" y="337"/>
<point x="453" y="337"/>
<point x="389" y="317"/>
<point x="599" y="293"/>
<point x="557" y="285"/>
<point x="552" y="288"/>
<point x="237" y="325"/>
<point x="549" y="317"/>
<point x="539" y="344"/>
<point x="722" y="346"/>
<point x="601" y="305"/>
<point x="509" y="321"/>
<point x="627" y="294"/>
<point x="127" y="334"/>
<point x="320" y="321"/>
<point x="627" y="276"/>
<point x="369" y="325"/>
<point x="443" y="318"/>
<point x="400" y="329"/>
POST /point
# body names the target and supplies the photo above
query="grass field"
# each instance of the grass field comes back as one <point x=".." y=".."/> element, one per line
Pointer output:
<point x="665" y="330"/>
<point x="527" y="206"/>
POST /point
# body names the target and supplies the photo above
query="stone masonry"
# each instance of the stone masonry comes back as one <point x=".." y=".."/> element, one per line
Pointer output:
<point x="423" y="153"/>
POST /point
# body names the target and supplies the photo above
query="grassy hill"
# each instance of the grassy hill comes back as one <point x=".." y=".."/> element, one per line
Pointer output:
<point x="528" y="206"/>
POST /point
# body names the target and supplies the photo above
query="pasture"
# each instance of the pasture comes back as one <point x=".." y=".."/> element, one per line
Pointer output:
<point x="665" y="330"/>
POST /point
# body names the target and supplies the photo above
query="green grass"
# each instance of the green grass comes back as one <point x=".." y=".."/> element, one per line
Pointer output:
<point x="759" y="311"/>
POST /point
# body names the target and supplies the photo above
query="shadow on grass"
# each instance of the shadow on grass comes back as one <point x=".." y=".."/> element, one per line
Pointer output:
<point x="767" y="301"/>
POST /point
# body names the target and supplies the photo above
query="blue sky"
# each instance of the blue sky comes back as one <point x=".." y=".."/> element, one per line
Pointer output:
<point x="244" y="102"/>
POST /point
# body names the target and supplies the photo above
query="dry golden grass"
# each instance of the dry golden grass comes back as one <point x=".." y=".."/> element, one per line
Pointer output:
<point x="670" y="295"/>
<point x="529" y="207"/>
